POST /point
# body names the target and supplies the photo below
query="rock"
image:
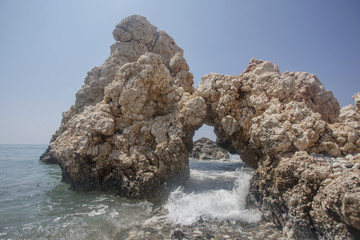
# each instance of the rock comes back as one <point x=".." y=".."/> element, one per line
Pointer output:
<point x="131" y="127"/>
<point x="337" y="204"/>
<point x="206" y="149"/>
<point x="47" y="158"/>
<point x="135" y="28"/>
<point x="356" y="98"/>
<point x="319" y="204"/>
<point x="289" y="188"/>
<point x="177" y="234"/>
<point x="263" y="112"/>
<point x="135" y="36"/>
<point x="126" y="132"/>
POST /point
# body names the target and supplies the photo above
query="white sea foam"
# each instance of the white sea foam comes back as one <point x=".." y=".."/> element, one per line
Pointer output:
<point x="187" y="208"/>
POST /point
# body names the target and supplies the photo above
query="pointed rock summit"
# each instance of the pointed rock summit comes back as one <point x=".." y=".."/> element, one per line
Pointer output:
<point x="130" y="131"/>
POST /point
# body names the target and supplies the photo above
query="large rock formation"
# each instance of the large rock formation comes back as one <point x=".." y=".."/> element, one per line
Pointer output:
<point x="206" y="149"/>
<point x="132" y="124"/>
<point x="130" y="131"/>
<point x="265" y="113"/>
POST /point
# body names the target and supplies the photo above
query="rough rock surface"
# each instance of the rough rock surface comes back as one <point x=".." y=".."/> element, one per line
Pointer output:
<point x="127" y="130"/>
<point x="356" y="98"/>
<point x="206" y="149"/>
<point x="265" y="113"/>
<point x="130" y="131"/>
<point x="310" y="196"/>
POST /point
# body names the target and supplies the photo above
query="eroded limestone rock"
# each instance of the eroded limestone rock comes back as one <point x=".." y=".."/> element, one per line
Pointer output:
<point x="130" y="131"/>
<point x="311" y="197"/>
<point x="356" y="98"/>
<point x="337" y="204"/>
<point x="132" y="142"/>
<point x="263" y="112"/>
<point x="284" y="191"/>
<point x="206" y="149"/>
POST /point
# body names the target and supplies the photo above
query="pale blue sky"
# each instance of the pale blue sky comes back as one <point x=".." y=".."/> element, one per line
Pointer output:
<point x="47" y="47"/>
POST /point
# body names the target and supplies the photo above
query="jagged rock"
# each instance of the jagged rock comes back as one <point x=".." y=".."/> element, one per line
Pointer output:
<point x="135" y="28"/>
<point x="337" y="204"/>
<point x="132" y="140"/>
<point x="284" y="190"/>
<point x="263" y="112"/>
<point x="130" y="132"/>
<point x="133" y="119"/>
<point x="307" y="199"/>
<point x="47" y="158"/>
<point x="206" y="149"/>
<point x="356" y="98"/>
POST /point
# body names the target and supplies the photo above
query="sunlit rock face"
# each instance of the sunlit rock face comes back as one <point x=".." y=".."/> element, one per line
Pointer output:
<point x="265" y="113"/>
<point x="133" y="121"/>
<point x="130" y="132"/>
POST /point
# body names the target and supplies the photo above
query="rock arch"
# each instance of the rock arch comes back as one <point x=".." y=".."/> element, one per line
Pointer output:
<point x="131" y="128"/>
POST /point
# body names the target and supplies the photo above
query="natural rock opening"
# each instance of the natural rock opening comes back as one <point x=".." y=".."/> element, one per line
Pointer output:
<point x="205" y="131"/>
<point x="205" y="145"/>
<point x="132" y="126"/>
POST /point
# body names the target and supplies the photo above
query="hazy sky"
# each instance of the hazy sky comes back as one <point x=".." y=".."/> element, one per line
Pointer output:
<point x="47" y="47"/>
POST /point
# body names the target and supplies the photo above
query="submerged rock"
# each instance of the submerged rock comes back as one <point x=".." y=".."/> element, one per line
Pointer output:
<point x="130" y="132"/>
<point x="206" y="149"/>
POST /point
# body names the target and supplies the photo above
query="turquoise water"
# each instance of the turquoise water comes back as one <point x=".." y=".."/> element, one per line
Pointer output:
<point x="35" y="204"/>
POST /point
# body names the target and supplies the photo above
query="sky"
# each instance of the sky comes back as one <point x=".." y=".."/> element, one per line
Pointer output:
<point x="47" y="48"/>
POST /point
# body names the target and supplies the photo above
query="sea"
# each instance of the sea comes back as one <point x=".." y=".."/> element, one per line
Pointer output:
<point x="35" y="204"/>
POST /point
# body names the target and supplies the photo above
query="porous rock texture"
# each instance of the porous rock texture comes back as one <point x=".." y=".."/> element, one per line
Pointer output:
<point x="127" y="131"/>
<point x="130" y="131"/>
<point x="356" y="98"/>
<point x="206" y="149"/>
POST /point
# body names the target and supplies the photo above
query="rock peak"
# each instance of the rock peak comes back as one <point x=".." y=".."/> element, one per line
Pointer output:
<point x="135" y="28"/>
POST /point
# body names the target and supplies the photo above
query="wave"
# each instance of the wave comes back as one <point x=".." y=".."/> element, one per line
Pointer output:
<point x="186" y="208"/>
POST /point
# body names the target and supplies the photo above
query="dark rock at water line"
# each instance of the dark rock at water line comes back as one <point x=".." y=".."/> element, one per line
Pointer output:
<point x="177" y="234"/>
<point x="47" y="158"/>
<point x="206" y="149"/>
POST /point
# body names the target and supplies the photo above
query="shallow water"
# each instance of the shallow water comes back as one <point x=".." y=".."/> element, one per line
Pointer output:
<point x="34" y="204"/>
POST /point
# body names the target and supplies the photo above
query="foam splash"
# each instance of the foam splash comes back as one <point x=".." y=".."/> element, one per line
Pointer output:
<point x="221" y="204"/>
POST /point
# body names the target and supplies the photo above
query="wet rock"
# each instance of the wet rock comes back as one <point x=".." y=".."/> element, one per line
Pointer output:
<point x="47" y="158"/>
<point x="206" y="149"/>
<point x="208" y="230"/>
<point x="177" y="234"/>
